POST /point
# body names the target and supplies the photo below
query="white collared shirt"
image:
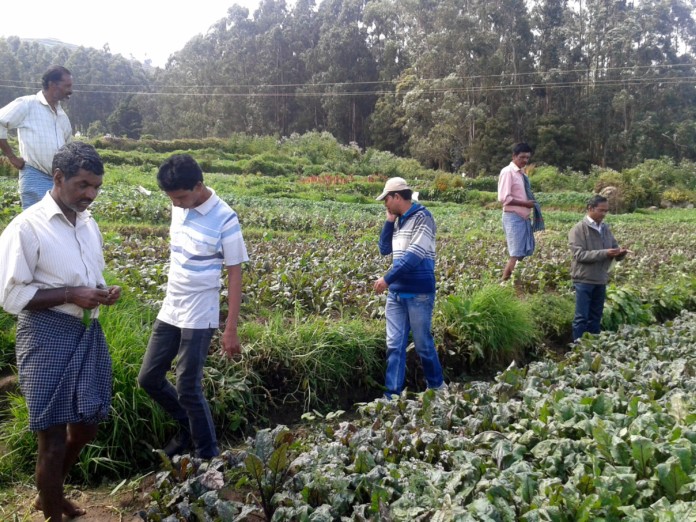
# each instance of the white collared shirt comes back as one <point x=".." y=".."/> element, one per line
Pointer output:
<point x="40" y="249"/>
<point x="40" y="130"/>
<point x="598" y="227"/>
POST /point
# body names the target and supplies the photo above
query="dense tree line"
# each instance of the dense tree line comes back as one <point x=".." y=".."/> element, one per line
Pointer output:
<point x="452" y="83"/>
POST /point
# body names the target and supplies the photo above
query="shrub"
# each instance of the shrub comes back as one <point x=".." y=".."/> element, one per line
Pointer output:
<point x="623" y="194"/>
<point x="479" y="197"/>
<point x="490" y="325"/>
<point x="678" y="196"/>
<point x="664" y="173"/>
<point x="644" y="185"/>
<point x="382" y="163"/>
<point x="482" y="183"/>
<point x="546" y="178"/>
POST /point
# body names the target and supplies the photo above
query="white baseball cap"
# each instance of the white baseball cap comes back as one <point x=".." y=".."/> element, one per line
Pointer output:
<point x="393" y="185"/>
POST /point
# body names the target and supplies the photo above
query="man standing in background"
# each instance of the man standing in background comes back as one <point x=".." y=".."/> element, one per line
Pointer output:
<point x="42" y="128"/>
<point x="51" y="277"/>
<point x="594" y="248"/>
<point x="515" y="193"/>
<point x="409" y="235"/>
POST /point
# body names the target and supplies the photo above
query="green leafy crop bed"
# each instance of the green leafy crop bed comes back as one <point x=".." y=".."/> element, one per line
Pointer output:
<point x="609" y="433"/>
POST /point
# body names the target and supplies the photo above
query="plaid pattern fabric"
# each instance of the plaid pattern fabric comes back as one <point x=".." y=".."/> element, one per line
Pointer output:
<point x="64" y="369"/>
<point x="41" y="131"/>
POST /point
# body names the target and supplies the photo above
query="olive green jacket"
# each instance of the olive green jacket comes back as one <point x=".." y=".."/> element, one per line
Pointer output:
<point x="590" y="262"/>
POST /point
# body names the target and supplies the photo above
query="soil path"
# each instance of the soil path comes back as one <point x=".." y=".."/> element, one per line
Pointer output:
<point x="100" y="504"/>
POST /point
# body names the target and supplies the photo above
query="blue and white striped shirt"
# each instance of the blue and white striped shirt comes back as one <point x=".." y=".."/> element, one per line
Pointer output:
<point x="411" y="240"/>
<point x="203" y="240"/>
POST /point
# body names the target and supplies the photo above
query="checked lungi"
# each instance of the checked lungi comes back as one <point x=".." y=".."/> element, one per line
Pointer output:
<point x="64" y="369"/>
<point x="519" y="235"/>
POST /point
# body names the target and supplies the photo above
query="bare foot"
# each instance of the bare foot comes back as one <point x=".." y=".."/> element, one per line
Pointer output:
<point x="69" y="508"/>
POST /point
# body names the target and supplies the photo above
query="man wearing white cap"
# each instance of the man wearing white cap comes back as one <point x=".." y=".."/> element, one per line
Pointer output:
<point x="409" y="235"/>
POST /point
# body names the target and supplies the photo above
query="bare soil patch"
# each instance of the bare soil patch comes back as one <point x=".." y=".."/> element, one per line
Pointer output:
<point x="101" y="505"/>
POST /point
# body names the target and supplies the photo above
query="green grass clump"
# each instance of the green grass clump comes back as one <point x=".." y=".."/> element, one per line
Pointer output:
<point x="553" y="316"/>
<point x="308" y="359"/>
<point x="490" y="325"/>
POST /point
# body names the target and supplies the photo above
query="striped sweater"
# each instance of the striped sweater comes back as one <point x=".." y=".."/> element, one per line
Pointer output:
<point x="411" y="240"/>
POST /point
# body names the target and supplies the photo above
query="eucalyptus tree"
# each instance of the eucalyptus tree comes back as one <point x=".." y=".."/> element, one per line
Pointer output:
<point x="303" y="29"/>
<point x="659" y="115"/>
<point x="280" y="46"/>
<point x="126" y="120"/>
<point x="469" y="101"/>
<point x="204" y="88"/>
<point x="11" y="83"/>
<point x="557" y="86"/>
<point x="345" y="70"/>
<point x="101" y="82"/>
<point x="385" y="21"/>
<point x="635" y="90"/>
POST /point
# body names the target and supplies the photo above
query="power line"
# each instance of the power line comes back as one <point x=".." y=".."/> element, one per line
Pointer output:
<point x="79" y="86"/>
<point x="473" y="89"/>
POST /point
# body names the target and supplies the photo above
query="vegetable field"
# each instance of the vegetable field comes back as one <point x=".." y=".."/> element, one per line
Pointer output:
<point x="530" y="427"/>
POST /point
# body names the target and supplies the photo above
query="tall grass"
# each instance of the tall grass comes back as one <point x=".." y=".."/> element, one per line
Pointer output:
<point x="7" y="340"/>
<point x="305" y="362"/>
<point x="309" y="360"/>
<point x="490" y="326"/>
<point x="134" y="425"/>
<point x="553" y="316"/>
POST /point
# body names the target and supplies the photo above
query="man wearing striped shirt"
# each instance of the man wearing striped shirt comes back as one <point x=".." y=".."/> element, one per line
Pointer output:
<point x="409" y="235"/>
<point x="42" y="128"/>
<point x="205" y="237"/>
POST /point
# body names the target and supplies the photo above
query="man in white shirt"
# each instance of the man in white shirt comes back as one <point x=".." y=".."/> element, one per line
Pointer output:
<point x="51" y="278"/>
<point x="205" y="237"/>
<point x="42" y="128"/>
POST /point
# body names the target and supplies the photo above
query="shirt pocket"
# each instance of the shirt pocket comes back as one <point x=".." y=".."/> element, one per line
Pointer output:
<point x="196" y="249"/>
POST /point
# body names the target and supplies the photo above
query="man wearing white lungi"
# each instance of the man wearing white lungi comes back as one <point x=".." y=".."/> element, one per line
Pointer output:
<point x="515" y="193"/>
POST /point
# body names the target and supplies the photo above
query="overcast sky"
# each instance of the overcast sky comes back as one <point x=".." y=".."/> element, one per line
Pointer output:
<point x="144" y="29"/>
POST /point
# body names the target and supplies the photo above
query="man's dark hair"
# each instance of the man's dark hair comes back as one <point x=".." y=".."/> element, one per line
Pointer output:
<point x="596" y="200"/>
<point x="77" y="155"/>
<point x="54" y="74"/>
<point x="405" y="194"/>
<point x="179" y="172"/>
<point x="520" y="148"/>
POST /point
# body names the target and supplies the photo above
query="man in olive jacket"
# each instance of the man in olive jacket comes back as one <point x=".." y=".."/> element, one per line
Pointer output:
<point x="594" y="248"/>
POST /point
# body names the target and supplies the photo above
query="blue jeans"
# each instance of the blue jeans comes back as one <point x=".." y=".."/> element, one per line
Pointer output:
<point x="185" y="403"/>
<point x="33" y="185"/>
<point x="414" y="314"/>
<point x="589" y="306"/>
